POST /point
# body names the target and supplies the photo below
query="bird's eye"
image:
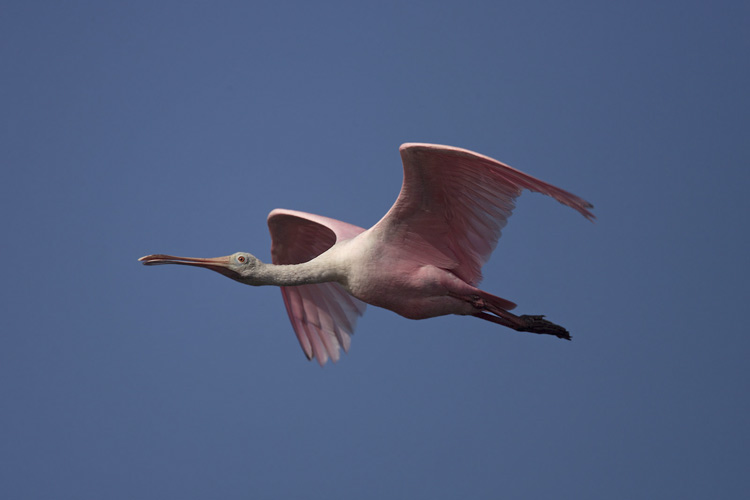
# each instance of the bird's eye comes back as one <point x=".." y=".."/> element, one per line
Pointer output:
<point x="241" y="259"/>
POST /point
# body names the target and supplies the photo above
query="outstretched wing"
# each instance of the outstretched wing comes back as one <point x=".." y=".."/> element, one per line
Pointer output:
<point x="323" y="315"/>
<point x="453" y="205"/>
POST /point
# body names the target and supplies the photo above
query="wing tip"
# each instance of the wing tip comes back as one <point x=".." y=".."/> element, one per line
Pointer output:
<point x="584" y="208"/>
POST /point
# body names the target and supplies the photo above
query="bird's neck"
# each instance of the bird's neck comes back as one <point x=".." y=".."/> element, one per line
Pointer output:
<point x="314" y="271"/>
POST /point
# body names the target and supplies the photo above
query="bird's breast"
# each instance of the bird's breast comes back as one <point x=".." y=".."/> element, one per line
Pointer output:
<point x="413" y="291"/>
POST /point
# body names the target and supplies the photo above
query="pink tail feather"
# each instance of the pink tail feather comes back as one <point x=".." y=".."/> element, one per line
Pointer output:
<point x="497" y="302"/>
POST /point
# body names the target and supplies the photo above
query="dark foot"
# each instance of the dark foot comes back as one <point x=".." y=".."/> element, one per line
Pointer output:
<point x="537" y="324"/>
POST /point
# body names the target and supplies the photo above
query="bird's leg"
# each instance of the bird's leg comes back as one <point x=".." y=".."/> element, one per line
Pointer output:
<point x="537" y="324"/>
<point x="527" y="323"/>
<point x="523" y="323"/>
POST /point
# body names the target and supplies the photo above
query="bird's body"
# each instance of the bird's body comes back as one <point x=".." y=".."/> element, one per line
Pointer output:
<point x="374" y="273"/>
<point x="422" y="259"/>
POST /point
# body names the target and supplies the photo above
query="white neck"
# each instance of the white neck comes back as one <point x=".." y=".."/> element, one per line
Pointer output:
<point x="314" y="271"/>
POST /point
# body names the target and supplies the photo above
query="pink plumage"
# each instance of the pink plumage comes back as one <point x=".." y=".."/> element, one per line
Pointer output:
<point x="422" y="259"/>
<point x="323" y="315"/>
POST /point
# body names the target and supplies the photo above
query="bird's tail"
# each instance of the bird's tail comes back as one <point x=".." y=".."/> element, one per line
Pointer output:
<point x="494" y="302"/>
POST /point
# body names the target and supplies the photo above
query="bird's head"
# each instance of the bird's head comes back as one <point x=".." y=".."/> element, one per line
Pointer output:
<point x="240" y="266"/>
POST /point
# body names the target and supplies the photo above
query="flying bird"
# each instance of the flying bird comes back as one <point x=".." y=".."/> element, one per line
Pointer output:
<point x="422" y="259"/>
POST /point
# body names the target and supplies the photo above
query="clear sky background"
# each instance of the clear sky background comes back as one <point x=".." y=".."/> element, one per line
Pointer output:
<point x="131" y="128"/>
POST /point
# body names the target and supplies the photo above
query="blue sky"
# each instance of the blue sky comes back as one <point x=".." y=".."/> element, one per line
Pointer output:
<point x="138" y="127"/>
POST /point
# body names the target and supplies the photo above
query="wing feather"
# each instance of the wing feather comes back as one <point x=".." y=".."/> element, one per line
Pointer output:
<point x="454" y="204"/>
<point x="323" y="315"/>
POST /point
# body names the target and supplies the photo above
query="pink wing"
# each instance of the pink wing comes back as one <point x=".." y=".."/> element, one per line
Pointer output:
<point x="453" y="205"/>
<point x="323" y="315"/>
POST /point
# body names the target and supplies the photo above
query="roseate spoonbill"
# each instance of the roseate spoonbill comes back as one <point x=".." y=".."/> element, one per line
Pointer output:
<point x="422" y="259"/>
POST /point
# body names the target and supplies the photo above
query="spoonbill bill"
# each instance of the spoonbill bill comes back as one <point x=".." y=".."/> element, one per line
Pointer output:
<point x="422" y="259"/>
